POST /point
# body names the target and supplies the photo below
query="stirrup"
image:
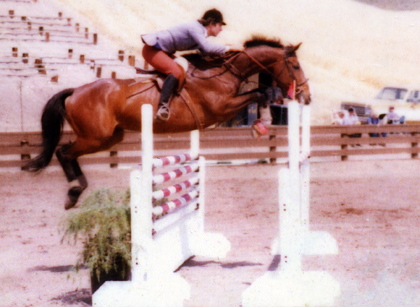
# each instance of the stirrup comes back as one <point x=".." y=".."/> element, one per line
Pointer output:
<point x="163" y="113"/>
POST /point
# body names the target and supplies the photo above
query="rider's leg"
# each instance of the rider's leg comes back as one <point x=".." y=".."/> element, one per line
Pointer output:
<point x="168" y="88"/>
<point x="165" y="64"/>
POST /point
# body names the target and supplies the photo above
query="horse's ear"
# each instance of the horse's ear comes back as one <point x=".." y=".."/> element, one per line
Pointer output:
<point x="296" y="47"/>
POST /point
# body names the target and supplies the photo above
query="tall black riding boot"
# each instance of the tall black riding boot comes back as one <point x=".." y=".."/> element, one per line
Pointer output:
<point x="168" y="88"/>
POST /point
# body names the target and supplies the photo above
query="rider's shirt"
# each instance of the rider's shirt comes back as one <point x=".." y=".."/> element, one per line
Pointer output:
<point x="186" y="36"/>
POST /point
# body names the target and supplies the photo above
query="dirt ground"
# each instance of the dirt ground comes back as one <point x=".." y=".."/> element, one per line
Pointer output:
<point x="370" y="208"/>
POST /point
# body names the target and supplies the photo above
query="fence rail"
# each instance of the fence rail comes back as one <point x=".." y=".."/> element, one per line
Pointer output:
<point x="223" y="144"/>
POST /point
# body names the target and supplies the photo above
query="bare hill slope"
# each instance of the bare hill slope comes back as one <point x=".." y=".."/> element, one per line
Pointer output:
<point x="350" y="48"/>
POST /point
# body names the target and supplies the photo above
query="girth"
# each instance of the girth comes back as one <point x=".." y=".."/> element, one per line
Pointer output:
<point x="137" y="87"/>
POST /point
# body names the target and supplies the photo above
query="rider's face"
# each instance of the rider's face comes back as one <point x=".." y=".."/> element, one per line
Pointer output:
<point x="213" y="29"/>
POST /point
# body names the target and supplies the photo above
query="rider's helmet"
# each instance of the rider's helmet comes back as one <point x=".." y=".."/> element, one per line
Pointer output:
<point x="213" y="15"/>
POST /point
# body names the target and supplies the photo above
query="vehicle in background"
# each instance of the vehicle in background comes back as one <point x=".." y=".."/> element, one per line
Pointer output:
<point x="405" y="99"/>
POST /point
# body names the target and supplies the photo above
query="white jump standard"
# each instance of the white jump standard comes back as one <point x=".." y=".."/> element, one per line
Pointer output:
<point x="163" y="236"/>
<point x="288" y="285"/>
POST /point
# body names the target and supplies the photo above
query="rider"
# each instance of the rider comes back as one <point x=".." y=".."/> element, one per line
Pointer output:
<point x="159" y="49"/>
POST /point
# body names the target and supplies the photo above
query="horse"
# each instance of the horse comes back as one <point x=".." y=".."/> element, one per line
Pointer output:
<point x="100" y="111"/>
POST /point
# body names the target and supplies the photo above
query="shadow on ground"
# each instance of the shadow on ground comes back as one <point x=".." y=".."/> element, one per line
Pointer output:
<point x="394" y="5"/>
<point x="75" y="297"/>
<point x="231" y="265"/>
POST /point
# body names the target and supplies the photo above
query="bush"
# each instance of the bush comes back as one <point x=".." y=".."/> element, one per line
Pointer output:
<point x="103" y="221"/>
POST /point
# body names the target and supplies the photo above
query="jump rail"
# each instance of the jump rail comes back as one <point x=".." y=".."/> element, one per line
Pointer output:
<point x="164" y="235"/>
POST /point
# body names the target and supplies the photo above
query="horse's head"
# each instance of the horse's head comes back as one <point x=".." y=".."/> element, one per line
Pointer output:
<point x="288" y="70"/>
<point x="280" y="62"/>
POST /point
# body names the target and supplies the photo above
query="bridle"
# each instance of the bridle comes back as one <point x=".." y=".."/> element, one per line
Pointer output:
<point x="299" y="86"/>
<point x="230" y="67"/>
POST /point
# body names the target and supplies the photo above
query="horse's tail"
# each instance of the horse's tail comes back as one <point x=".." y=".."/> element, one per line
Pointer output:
<point x="52" y="122"/>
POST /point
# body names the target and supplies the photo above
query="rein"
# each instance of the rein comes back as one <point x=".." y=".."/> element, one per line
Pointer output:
<point x="265" y="68"/>
<point x="230" y="67"/>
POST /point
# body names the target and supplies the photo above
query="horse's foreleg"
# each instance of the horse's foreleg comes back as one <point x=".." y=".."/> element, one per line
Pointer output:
<point x="237" y="103"/>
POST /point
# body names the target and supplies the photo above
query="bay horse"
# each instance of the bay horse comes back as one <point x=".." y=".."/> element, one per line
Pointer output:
<point x="100" y="111"/>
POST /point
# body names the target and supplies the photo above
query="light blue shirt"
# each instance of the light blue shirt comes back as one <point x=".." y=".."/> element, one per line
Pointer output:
<point x="186" y="36"/>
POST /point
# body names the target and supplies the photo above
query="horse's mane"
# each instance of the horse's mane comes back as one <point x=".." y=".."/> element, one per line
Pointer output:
<point x="204" y="63"/>
<point x="259" y="40"/>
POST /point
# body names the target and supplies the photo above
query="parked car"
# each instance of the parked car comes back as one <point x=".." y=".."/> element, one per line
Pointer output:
<point x="405" y="99"/>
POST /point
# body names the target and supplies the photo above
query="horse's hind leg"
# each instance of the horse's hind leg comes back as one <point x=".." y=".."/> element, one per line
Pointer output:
<point x="68" y="154"/>
<point x="73" y="172"/>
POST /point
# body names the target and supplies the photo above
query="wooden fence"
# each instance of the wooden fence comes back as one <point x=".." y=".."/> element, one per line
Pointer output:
<point x="226" y="144"/>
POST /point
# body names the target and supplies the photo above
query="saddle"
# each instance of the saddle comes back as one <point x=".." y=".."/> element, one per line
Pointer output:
<point x="156" y="79"/>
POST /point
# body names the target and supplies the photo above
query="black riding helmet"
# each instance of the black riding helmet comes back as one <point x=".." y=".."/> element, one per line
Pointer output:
<point x="212" y="15"/>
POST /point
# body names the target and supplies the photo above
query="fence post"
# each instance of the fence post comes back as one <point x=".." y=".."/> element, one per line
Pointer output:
<point x="414" y="155"/>
<point x="121" y="55"/>
<point x="343" y="147"/>
<point x="272" y="148"/>
<point x="131" y="60"/>
<point x="113" y="153"/>
<point x="24" y="156"/>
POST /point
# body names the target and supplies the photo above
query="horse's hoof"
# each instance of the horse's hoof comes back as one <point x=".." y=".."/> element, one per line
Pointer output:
<point x="258" y="129"/>
<point x="72" y="197"/>
<point x="69" y="204"/>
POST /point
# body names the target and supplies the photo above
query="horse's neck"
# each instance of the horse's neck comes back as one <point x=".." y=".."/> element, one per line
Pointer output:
<point x="252" y="62"/>
<point x="241" y="66"/>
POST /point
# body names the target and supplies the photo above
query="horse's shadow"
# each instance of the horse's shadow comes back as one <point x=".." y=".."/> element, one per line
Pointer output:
<point x="231" y="265"/>
<point x="75" y="297"/>
<point x="53" y="269"/>
<point x="72" y="297"/>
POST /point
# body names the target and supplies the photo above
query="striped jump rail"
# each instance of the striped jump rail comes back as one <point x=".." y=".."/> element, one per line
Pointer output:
<point x="158" y="195"/>
<point x="164" y="177"/>
<point x="171" y="160"/>
<point x="182" y="201"/>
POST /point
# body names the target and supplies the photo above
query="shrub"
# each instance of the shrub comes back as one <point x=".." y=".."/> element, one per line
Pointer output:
<point x="103" y="221"/>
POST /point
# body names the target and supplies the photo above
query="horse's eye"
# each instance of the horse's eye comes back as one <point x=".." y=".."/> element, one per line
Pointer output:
<point x="296" y="66"/>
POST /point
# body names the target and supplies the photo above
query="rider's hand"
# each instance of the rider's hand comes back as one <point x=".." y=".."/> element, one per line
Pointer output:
<point x="235" y="48"/>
